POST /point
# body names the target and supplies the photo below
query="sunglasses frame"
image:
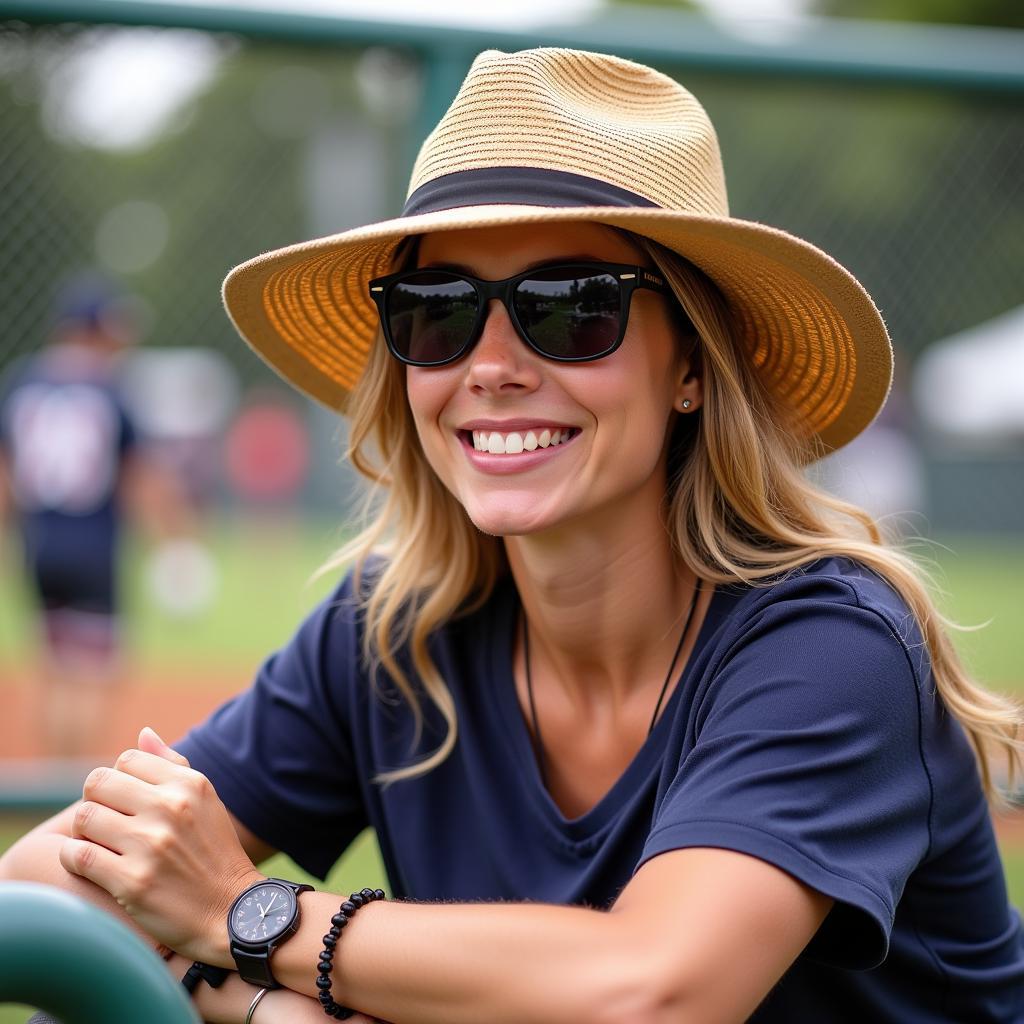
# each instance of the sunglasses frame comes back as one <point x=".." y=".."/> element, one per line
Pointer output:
<point x="629" y="278"/>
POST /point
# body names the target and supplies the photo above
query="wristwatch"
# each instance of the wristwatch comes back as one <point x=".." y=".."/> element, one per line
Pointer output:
<point x="263" y="917"/>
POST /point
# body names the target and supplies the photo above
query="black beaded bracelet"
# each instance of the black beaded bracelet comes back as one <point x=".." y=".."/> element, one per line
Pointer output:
<point x="345" y="914"/>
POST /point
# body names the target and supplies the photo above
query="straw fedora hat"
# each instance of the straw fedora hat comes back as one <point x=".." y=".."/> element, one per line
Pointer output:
<point x="557" y="135"/>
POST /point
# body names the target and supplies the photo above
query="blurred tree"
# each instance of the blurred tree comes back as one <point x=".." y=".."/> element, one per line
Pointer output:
<point x="228" y="178"/>
<point x="679" y="5"/>
<point x="35" y="182"/>
<point x="997" y="13"/>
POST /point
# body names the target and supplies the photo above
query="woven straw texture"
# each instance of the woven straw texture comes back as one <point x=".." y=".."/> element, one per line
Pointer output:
<point x="807" y="324"/>
<point x="564" y="110"/>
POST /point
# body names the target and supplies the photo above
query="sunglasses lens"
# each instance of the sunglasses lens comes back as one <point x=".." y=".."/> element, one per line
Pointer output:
<point x="570" y="312"/>
<point x="431" y="316"/>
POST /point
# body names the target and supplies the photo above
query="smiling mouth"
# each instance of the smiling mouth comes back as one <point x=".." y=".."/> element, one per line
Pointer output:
<point x="516" y="442"/>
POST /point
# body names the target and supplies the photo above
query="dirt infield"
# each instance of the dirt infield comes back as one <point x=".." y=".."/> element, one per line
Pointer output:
<point x="154" y="699"/>
<point x="149" y="698"/>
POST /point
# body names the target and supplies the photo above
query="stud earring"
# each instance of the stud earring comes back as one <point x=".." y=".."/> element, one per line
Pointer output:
<point x="687" y="403"/>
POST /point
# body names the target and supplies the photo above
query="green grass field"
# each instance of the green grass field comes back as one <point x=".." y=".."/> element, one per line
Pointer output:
<point x="264" y="587"/>
<point x="983" y="584"/>
<point x="264" y="572"/>
<point x="265" y="568"/>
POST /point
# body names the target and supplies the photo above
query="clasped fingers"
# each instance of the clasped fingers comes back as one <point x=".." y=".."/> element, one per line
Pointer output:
<point x="135" y="785"/>
<point x="140" y="845"/>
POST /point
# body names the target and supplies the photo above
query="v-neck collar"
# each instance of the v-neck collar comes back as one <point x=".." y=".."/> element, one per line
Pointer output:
<point x="641" y="770"/>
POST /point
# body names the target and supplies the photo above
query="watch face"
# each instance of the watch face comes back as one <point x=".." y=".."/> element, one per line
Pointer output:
<point x="263" y="913"/>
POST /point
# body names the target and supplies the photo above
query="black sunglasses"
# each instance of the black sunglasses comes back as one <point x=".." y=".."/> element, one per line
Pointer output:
<point x="570" y="312"/>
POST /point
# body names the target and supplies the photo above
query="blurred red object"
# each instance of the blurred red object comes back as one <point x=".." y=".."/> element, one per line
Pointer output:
<point x="267" y="452"/>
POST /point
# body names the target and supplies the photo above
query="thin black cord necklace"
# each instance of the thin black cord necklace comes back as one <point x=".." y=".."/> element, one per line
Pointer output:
<point x="538" y="740"/>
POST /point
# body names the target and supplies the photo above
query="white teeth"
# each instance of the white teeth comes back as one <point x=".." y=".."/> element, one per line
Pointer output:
<point x="513" y="443"/>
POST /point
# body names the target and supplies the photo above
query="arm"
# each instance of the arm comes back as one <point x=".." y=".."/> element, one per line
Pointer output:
<point x="708" y="952"/>
<point x="156" y="498"/>
<point x="5" y="499"/>
<point x="152" y="830"/>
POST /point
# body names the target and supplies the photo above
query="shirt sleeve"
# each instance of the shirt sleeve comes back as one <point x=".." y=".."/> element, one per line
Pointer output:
<point x="808" y="755"/>
<point x="280" y="754"/>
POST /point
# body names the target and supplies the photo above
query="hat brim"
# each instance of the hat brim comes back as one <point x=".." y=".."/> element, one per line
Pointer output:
<point x="811" y="329"/>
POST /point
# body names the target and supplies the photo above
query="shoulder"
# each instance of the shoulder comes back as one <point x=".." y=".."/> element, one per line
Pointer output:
<point x="315" y="674"/>
<point x="341" y="612"/>
<point x="340" y="619"/>
<point x="832" y="634"/>
<point x="324" y="648"/>
<point x="838" y="592"/>
<point x="833" y="578"/>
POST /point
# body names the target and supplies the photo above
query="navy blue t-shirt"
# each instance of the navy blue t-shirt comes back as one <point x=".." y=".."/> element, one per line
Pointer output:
<point x="805" y="731"/>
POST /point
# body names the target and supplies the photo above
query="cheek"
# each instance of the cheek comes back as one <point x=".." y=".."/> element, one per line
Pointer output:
<point x="427" y="392"/>
<point x="640" y="397"/>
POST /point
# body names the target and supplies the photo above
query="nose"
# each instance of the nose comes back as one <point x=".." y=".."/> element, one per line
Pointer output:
<point x="501" y="362"/>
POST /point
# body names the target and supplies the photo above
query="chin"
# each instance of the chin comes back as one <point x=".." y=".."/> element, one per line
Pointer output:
<point x="508" y="519"/>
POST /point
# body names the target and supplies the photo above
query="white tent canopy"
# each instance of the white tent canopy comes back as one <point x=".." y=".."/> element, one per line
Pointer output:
<point x="970" y="386"/>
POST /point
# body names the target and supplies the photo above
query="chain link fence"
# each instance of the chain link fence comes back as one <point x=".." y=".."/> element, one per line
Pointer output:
<point x="253" y="144"/>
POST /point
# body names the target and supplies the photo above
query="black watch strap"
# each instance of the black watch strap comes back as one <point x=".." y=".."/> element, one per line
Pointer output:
<point x="255" y="968"/>
<point x="213" y="976"/>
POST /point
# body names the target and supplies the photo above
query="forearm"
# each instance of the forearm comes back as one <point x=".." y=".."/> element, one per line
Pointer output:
<point x="453" y="963"/>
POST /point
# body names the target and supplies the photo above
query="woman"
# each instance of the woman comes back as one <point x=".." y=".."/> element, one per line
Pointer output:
<point x="671" y="734"/>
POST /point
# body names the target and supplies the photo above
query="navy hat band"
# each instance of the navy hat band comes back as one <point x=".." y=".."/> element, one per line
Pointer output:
<point x="519" y="186"/>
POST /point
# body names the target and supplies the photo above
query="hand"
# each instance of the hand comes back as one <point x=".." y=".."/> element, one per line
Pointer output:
<point x="154" y="834"/>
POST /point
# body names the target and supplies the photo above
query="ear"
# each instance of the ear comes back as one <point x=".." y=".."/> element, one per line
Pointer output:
<point x="689" y="391"/>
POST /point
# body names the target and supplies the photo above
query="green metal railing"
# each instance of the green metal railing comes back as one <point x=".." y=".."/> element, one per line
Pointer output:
<point x="889" y="54"/>
<point x="63" y="956"/>
<point x="977" y="58"/>
<point x="39" y="788"/>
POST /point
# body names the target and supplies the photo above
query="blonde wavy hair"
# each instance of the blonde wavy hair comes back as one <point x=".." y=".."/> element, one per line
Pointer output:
<point x="739" y="508"/>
